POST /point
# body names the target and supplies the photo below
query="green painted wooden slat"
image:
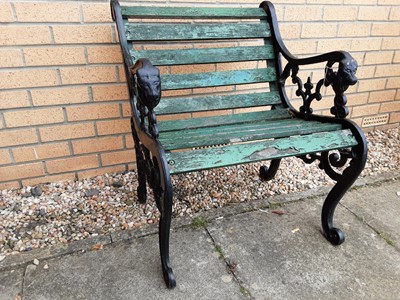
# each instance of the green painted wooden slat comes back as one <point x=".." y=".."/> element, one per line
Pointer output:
<point x="210" y="79"/>
<point x="180" y="140"/>
<point x="191" y="12"/>
<point x="194" y="160"/>
<point x="206" y="55"/>
<point x="223" y="120"/>
<point x="214" y="102"/>
<point x="163" y="32"/>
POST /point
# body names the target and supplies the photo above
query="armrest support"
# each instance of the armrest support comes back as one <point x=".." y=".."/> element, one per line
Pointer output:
<point x="147" y="87"/>
<point x="340" y="80"/>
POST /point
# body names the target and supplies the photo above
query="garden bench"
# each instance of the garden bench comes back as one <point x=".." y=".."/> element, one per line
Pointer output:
<point x="248" y="132"/>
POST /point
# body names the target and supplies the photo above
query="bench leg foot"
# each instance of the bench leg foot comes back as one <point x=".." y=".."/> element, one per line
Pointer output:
<point x="163" y="194"/>
<point x="358" y="157"/>
<point x="268" y="173"/>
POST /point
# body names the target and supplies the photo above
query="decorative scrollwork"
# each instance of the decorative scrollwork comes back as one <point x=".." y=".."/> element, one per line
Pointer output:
<point x="328" y="161"/>
<point x="340" y="81"/>
<point x="307" y="95"/>
<point x="148" y="86"/>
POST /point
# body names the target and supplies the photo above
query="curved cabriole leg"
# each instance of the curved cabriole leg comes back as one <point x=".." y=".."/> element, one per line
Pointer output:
<point x="358" y="156"/>
<point x="162" y="189"/>
<point x="141" y="168"/>
<point x="268" y="173"/>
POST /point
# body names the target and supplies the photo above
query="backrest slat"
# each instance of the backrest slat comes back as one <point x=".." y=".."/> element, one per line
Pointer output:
<point x="178" y="32"/>
<point x="216" y="102"/>
<point x="211" y="79"/>
<point x="190" y="12"/>
<point x="207" y="55"/>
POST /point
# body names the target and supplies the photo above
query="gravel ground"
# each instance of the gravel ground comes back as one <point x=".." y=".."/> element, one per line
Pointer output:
<point x="34" y="217"/>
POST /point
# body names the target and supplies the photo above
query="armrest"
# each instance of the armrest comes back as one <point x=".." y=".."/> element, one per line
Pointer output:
<point x="147" y="90"/>
<point x="340" y="80"/>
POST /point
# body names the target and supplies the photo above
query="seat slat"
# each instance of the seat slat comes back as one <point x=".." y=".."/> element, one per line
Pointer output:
<point x="242" y="133"/>
<point x="210" y="79"/>
<point x="201" y="159"/>
<point x="205" y="55"/>
<point x="181" y="124"/>
<point x="176" y="32"/>
<point x="192" y="12"/>
<point x="216" y="102"/>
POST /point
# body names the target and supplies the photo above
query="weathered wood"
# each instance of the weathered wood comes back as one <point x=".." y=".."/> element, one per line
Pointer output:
<point x="239" y="133"/>
<point x="204" y="55"/>
<point x="176" y="32"/>
<point x="192" y="12"/>
<point x="216" y="102"/>
<point x="210" y="79"/>
<point x="216" y="121"/>
<point x="201" y="159"/>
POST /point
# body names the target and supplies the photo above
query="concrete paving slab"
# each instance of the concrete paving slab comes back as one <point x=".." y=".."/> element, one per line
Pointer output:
<point x="286" y="256"/>
<point x="11" y="284"/>
<point x="379" y="207"/>
<point x="131" y="270"/>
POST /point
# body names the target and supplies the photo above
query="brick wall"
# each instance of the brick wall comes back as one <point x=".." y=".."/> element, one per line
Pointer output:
<point x="63" y="99"/>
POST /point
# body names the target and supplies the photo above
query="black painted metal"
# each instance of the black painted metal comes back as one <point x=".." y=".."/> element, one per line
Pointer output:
<point x="340" y="80"/>
<point x="268" y="173"/>
<point x="144" y="89"/>
<point x="150" y="155"/>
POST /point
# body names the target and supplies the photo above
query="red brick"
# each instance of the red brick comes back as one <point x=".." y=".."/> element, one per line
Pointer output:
<point x="394" y="118"/>
<point x="110" y="92"/>
<point x="27" y="78"/>
<point x="79" y="75"/>
<point x="373" y="13"/>
<point x="92" y="112"/>
<point x="47" y="12"/>
<point x="59" y="96"/>
<point x="310" y="30"/>
<point x="371" y="84"/>
<point x="9" y="185"/>
<point x="387" y="70"/>
<point x="31" y="117"/>
<point x="10" y="58"/>
<point x="119" y="157"/>
<point x="382" y="96"/>
<point x="126" y="110"/>
<point x="104" y="54"/>
<point x="113" y="127"/>
<point x="97" y="145"/>
<point x="17" y="137"/>
<point x="4" y="157"/>
<point x="21" y="171"/>
<point x="6" y="14"/>
<point x="66" y="132"/>
<point x="45" y="56"/>
<point x="40" y="152"/>
<point x="393" y="83"/>
<point x="303" y="13"/>
<point x="336" y="13"/>
<point x="24" y="35"/>
<point x="72" y="164"/>
<point x="365" y="110"/>
<point x="96" y="12"/>
<point x="390" y="107"/>
<point x="82" y="34"/>
<point x="378" y="57"/>
<point x="14" y="99"/>
<point x="391" y="43"/>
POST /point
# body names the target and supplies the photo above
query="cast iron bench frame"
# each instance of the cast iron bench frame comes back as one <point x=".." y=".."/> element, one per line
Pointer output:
<point x="344" y="146"/>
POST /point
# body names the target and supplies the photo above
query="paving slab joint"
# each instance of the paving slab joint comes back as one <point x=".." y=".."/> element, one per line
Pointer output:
<point x="231" y="266"/>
